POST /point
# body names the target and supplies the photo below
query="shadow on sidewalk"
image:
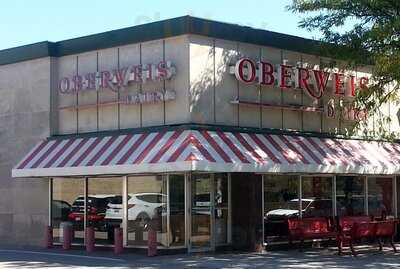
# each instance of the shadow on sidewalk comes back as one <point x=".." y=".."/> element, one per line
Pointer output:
<point x="326" y="259"/>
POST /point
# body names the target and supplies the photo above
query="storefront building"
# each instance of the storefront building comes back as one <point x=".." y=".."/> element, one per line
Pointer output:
<point x="211" y="133"/>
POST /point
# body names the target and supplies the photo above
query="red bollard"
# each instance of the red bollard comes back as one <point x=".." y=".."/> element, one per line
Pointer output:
<point x="89" y="240"/>
<point x="152" y="243"/>
<point x="67" y="237"/>
<point x="49" y="237"/>
<point x="118" y="240"/>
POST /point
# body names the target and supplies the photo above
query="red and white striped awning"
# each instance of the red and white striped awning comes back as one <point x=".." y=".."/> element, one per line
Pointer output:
<point x="204" y="150"/>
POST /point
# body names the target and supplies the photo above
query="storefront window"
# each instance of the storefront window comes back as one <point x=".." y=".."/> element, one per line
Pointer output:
<point x="398" y="197"/>
<point x="317" y="196"/>
<point x="350" y="195"/>
<point x="104" y="208"/>
<point x="201" y="210"/>
<point x="221" y="208"/>
<point x="380" y="196"/>
<point x="281" y="201"/>
<point x="67" y="208"/>
<point x="177" y="209"/>
<point x="147" y="203"/>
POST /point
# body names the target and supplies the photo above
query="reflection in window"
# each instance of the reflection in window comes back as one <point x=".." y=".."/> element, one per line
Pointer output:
<point x="350" y="195"/>
<point x="201" y="204"/>
<point x="147" y="202"/>
<point x="177" y="209"/>
<point x="221" y="208"/>
<point x="398" y="197"/>
<point x="104" y="208"/>
<point x="380" y="196"/>
<point x="67" y="208"/>
<point x="280" y="202"/>
<point x="317" y="197"/>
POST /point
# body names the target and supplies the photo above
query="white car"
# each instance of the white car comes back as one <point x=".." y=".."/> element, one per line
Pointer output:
<point x="291" y="209"/>
<point x="142" y="207"/>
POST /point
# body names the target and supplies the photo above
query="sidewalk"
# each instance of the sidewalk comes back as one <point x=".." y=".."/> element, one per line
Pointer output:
<point x="326" y="259"/>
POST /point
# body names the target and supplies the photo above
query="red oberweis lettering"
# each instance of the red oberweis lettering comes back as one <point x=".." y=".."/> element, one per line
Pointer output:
<point x="284" y="74"/>
<point x="90" y="81"/>
<point x="363" y="83"/>
<point x="78" y="83"/>
<point x="162" y="70"/>
<point x="266" y="76"/>
<point x="352" y="85"/>
<point x="121" y="77"/>
<point x="105" y="79"/>
<point x="339" y="88"/>
<point x="321" y="79"/>
<point x="251" y="70"/>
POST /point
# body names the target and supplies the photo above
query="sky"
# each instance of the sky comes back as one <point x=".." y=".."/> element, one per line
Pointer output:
<point x="28" y="21"/>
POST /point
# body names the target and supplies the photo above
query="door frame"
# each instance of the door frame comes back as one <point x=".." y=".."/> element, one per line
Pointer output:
<point x="213" y="244"/>
<point x="192" y="249"/>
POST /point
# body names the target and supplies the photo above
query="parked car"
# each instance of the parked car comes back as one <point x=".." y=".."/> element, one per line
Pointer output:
<point x="142" y="207"/>
<point x="275" y="220"/>
<point x="60" y="211"/>
<point x="96" y="210"/>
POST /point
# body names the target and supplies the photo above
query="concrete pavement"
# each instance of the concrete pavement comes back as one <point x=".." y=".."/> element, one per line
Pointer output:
<point x="311" y="259"/>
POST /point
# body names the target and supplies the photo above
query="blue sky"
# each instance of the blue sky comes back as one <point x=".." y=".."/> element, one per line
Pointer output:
<point x="29" y="21"/>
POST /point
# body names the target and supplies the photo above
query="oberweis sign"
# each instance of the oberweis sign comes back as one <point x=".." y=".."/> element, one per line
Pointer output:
<point x="313" y="81"/>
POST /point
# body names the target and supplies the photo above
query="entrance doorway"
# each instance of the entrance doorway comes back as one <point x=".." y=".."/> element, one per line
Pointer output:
<point x="247" y="218"/>
<point x="209" y="211"/>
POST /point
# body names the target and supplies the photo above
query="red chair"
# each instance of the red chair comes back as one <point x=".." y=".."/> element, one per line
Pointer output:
<point x="345" y="224"/>
<point x="361" y="230"/>
<point x="385" y="230"/>
<point x="310" y="228"/>
<point x="375" y="230"/>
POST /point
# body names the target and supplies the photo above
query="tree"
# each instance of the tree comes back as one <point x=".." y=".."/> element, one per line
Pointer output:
<point x="360" y="31"/>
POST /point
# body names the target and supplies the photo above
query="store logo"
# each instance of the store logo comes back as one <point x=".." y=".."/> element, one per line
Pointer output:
<point x="116" y="80"/>
<point x="313" y="81"/>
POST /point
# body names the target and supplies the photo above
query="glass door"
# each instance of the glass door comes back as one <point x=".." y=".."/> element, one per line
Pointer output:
<point x="201" y="209"/>
<point x="221" y="209"/>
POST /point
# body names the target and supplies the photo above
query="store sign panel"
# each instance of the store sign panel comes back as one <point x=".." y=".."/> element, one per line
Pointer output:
<point x="149" y="97"/>
<point x="117" y="79"/>
<point x="313" y="82"/>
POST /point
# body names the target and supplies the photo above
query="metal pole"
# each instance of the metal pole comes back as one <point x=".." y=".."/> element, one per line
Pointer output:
<point x="366" y="195"/>
<point x="334" y="205"/>
<point x="229" y="209"/>
<point x="125" y="210"/>
<point x="394" y="196"/>
<point x="212" y="209"/>
<point x="167" y="178"/>
<point x="50" y="202"/>
<point x="85" y="219"/>
<point x="263" y="209"/>
<point x="300" y="195"/>
<point x="187" y="211"/>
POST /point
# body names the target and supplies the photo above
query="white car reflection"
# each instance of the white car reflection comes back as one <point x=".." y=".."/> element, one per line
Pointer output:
<point x="142" y="207"/>
<point x="291" y="209"/>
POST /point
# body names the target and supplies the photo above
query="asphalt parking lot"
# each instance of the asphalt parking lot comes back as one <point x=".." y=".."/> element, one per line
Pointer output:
<point x="321" y="258"/>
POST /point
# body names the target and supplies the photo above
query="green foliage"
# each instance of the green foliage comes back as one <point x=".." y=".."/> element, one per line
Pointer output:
<point x="360" y="32"/>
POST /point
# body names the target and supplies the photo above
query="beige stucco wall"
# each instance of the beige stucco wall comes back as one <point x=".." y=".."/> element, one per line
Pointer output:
<point x="24" y="120"/>
<point x="212" y="87"/>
